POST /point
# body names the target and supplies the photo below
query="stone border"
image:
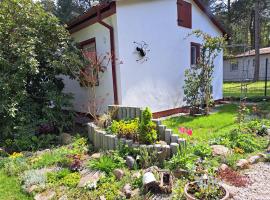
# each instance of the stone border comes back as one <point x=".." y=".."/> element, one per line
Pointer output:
<point x="105" y="141"/>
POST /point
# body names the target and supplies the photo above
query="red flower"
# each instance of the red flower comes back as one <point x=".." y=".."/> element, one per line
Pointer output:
<point x="189" y="132"/>
<point x="182" y="129"/>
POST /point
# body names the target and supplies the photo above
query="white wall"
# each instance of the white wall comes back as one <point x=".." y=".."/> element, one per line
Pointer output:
<point x="158" y="82"/>
<point x="105" y="89"/>
<point x="245" y="68"/>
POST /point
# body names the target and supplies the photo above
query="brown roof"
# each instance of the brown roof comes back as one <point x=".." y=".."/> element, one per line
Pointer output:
<point x="107" y="9"/>
<point x="263" y="51"/>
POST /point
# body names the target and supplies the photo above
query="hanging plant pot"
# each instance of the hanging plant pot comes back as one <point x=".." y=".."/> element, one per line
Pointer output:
<point x="224" y="194"/>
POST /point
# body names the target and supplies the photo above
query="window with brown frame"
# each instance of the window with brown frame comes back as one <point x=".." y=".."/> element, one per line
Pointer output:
<point x="89" y="75"/>
<point x="194" y="53"/>
<point x="184" y="12"/>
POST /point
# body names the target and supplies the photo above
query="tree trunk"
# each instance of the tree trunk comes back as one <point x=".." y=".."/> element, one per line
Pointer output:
<point x="257" y="41"/>
<point x="229" y="20"/>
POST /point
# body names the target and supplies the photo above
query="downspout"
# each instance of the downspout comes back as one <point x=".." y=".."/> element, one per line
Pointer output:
<point x="114" y="77"/>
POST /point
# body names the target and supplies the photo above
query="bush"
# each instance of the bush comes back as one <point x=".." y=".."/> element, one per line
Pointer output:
<point x="147" y="128"/>
<point x="71" y="180"/>
<point x="33" y="177"/>
<point x="41" y="50"/>
<point x="202" y="150"/>
<point x="258" y="127"/>
<point x="64" y="177"/>
<point x="127" y="129"/>
<point x="107" y="163"/>
<point x="15" y="166"/>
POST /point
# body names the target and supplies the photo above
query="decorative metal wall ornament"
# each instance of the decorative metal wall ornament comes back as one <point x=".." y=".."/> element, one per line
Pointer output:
<point x="142" y="51"/>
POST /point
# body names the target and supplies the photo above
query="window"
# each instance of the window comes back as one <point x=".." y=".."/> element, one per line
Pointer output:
<point x="234" y="66"/>
<point x="184" y="12"/>
<point x="89" y="75"/>
<point x="194" y="53"/>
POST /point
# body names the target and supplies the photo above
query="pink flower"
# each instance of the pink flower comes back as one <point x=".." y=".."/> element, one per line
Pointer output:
<point x="182" y="129"/>
<point x="189" y="132"/>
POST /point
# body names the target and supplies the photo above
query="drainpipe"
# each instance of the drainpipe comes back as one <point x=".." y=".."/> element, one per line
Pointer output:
<point x="114" y="77"/>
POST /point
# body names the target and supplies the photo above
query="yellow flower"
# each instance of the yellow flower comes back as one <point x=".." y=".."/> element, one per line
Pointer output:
<point x="238" y="150"/>
<point x="16" y="155"/>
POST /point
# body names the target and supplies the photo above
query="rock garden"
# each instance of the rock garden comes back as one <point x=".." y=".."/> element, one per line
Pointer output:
<point x="129" y="155"/>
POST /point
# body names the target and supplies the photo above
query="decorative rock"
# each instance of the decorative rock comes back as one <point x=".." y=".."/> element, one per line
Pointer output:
<point x="102" y="197"/>
<point x="96" y="155"/>
<point x="167" y="149"/>
<point x="135" y="145"/>
<point x="231" y="189"/>
<point x="127" y="190"/>
<point x="254" y="159"/>
<point x="31" y="189"/>
<point x="64" y="197"/>
<point x="91" y="177"/>
<point x="242" y="164"/>
<point x="118" y="173"/>
<point x="168" y="134"/>
<point x="223" y="167"/>
<point x="174" y="138"/>
<point x="162" y="155"/>
<point x="130" y="161"/>
<point x="47" y="195"/>
<point x="157" y="147"/>
<point x="174" y="148"/>
<point x="220" y="150"/>
<point x="268" y="130"/>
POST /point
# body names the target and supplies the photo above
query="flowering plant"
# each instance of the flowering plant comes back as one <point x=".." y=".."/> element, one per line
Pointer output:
<point x="184" y="130"/>
<point x="16" y="155"/>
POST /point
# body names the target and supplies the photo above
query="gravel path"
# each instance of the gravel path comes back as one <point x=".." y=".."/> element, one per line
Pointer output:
<point x="259" y="189"/>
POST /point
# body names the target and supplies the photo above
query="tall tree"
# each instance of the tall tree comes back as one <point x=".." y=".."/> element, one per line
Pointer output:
<point x="257" y="40"/>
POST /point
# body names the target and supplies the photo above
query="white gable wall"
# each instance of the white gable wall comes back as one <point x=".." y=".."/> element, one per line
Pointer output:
<point x="104" y="91"/>
<point x="158" y="82"/>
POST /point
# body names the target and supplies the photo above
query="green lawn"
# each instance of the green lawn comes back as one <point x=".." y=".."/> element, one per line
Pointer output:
<point x="206" y="127"/>
<point x="10" y="188"/>
<point x="256" y="89"/>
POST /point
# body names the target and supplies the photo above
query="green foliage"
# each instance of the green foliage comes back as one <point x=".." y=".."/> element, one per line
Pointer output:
<point x="107" y="163"/>
<point x="247" y="142"/>
<point x="63" y="177"/>
<point x="59" y="156"/>
<point x="258" y="127"/>
<point x="127" y="129"/>
<point x="109" y="190"/>
<point x="147" y="128"/>
<point x="34" y="51"/>
<point x="182" y="160"/>
<point x="198" y="82"/>
<point x="202" y="150"/>
<point x="15" y="166"/>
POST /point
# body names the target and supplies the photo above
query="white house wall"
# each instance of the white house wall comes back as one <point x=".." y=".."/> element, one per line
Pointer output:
<point x="159" y="82"/>
<point x="104" y="91"/>
<point x="245" y="68"/>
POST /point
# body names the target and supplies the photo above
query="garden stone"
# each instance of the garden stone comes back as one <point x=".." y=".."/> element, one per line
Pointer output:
<point x="152" y="169"/>
<point x="182" y="143"/>
<point x="130" y="161"/>
<point x="268" y="130"/>
<point x="91" y="177"/>
<point x="231" y="189"/>
<point x="96" y="155"/>
<point x="129" y="143"/>
<point x="174" y="148"/>
<point x="149" y="181"/>
<point x="64" y="197"/>
<point x="47" y="195"/>
<point x="127" y="190"/>
<point x="168" y="134"/>
<point x="65" y="138"/>
<point x="254" y="159"/>
<point x="174" y="138"/>
<point x="242" y="164"/>
<point x="162" y="155"/>
<point x="102" y="198"/>
<point x="31" y="189"/>
<point x="220" y="150"/>
<point x="167" y="149"/>
<point x="135" y="145"/>
<point x="118" y="174"/>
<point x="223" y="167"/>
<point x="157" y="147"/>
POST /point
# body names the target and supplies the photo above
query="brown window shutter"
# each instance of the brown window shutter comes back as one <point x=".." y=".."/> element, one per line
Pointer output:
<point x="184" y="10"/>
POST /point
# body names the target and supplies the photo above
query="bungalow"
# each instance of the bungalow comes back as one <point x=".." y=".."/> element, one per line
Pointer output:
<point x="149" y="37"/>
<point x="241" y="67"/>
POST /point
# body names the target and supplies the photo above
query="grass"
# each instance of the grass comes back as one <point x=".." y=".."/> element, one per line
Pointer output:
<point x="254" y="89"/>
<point x="206" y="127"/>
<point x="10" y="188"/>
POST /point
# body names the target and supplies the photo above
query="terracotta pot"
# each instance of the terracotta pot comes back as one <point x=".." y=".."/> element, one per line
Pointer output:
<point x="190" y="197"/>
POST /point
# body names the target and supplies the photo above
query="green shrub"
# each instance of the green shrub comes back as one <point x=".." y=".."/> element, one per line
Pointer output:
<point x="202" y="150"/>
<point x="247" y="142"/>
<point x="15" y="166"/>
<point x="147" y="128"/>
<point x="258" y="127"/>
<point x="33" y="177"/>
<point x="182" y="160"/>
<point x="71" y="180"/>
<point x="55" y="177"/>
<point x="107" y="163"/>
<point x="128" y="129"/>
